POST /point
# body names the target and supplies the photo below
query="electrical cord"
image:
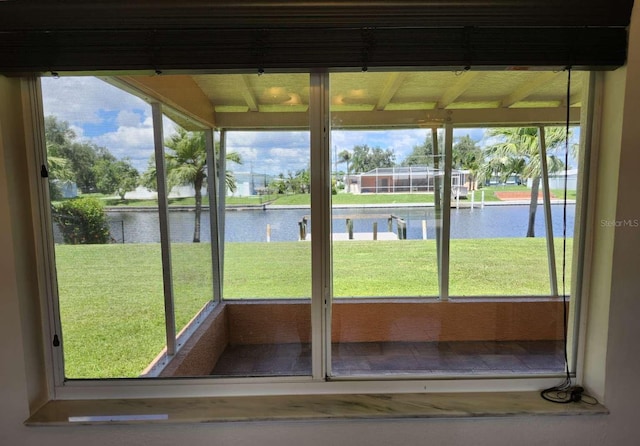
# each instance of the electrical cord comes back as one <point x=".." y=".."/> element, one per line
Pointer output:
<point x="566" y="392"/>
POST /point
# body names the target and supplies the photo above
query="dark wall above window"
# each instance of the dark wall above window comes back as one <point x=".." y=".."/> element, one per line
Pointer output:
<point x="103" y="14"/>
<point x="75" y="36"/>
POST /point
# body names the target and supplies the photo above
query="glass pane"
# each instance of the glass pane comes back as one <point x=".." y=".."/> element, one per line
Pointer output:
<point x="564" y="217"/>
<point x="386" y="220"/>
<point x="374" y="209"/>
<point x="498" y="231"/>
<point x="384" y="182"/>
<point x="105" y="224"/>
<point x="488" y="252"/>
<point x="267" y="253"/>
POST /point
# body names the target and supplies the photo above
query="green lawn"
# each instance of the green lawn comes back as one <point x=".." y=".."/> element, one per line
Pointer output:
<point x="338" y="199"/>
<point x="382" y="199"/>
<point x="112" y="307"/>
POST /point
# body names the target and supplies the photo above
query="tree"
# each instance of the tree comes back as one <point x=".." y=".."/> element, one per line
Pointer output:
<point x="229" y="177"/>
<point x="467" y="155"/>
<point x="57" y="132"/>
<point x="80" y="157"/>
<point x="148" y="177"/>
<point x="345" y="157"/>
<point x="187" y="164"/>
<point x="115" y="176"/>
<point x="422" y="155"/>
<point x="517" y="153"/>
<point x="300" y="181"/>
<point x="278" y="185"/>
<point x="365" y="158"/>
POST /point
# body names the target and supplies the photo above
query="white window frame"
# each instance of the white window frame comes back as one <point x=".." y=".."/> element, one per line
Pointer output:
<point x="316" y="383"/>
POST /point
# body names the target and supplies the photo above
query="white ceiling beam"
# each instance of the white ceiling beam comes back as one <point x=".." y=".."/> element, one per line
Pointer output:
<point x="247" y="94"/>
<point x="464" y="82"/>
<point x="485" y="117"/>
<point x="393" y="83"/>
<point x="528" y="88"/>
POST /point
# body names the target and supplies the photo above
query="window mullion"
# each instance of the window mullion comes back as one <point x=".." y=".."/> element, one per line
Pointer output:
<point x="446" y="213"/>
<point x="590" y="128"/>
<point x="319" y="124"/>
<point x="437" y="202"/>
<point x="32" y="88"/>
<point x="163" y="214"/>
<point x="221" y="203"/>
<point x="212" y="175"/>
<point x="553" y="278"/>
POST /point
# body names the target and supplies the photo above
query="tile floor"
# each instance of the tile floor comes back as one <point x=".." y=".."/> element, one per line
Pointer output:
<point x="374" y="358"/>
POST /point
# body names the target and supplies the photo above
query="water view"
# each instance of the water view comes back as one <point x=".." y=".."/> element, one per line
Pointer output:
<point x="250" y="225"/>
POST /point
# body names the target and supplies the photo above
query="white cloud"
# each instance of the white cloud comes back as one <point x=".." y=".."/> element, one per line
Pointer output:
<point x="268" y="139"/>
<point x="247" y="154"/>
<point x="296" y="154"/>
<point x="135" y="143"/>
<point x="270" y="152"/>
<point x="127" y="118"/>
<point x="78" y="100"/>
<point x="78" y="131"/>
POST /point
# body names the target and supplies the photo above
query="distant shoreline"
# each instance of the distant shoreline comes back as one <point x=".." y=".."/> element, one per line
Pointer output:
<point x="466" y="204"/>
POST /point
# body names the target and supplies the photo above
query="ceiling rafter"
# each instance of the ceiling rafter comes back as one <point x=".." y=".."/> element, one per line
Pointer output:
<point x="182" y="98"/>
<point x="393" y="83"/>
<point x="464" y="82"/>
<point x="247" y="94"/>
<point x="528" y="88"/>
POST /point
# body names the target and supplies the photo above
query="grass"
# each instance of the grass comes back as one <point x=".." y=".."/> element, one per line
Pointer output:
<point x="341" y="198"/>
<point x="112" y="306"/>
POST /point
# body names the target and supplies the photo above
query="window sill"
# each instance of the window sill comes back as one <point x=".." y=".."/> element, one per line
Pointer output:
<point x="303" y="407"/>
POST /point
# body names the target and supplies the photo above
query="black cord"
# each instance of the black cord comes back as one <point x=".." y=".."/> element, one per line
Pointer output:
<point x="564" y="227"/>
<point x="566" y="392"/>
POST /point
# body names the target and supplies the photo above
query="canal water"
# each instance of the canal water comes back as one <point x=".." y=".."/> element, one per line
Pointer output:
<point x="250" y="225"/>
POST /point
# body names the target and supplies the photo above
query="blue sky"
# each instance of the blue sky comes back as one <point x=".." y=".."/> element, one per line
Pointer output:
<point x="102" y="114"/>
<point x="121" y="122"/>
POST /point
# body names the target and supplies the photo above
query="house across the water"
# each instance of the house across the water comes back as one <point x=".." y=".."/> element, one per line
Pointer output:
<point x="406" y="180"/>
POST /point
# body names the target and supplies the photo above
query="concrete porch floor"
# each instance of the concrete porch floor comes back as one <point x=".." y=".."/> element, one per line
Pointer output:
<point x="388" y="358"/>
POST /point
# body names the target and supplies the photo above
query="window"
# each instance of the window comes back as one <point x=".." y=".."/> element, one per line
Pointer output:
<point x="245" y="244"/>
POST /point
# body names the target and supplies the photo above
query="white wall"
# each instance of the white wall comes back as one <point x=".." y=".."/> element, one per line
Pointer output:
<point x="19" y="366"/>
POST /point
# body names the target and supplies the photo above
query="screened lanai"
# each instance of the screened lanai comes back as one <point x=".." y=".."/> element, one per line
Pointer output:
<point x="400" y="278"/>
<point x="407" y="179"/>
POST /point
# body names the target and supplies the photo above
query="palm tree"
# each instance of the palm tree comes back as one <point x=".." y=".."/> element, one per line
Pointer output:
<point x="345" y="157"/>
<point x="187" y="164"/>
<point x="517" y="152"/>
<point x="467" y="155"/>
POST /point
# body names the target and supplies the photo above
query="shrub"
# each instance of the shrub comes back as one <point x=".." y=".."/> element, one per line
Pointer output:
<point x="82" y="221"/>
<point x="55" y="192"/>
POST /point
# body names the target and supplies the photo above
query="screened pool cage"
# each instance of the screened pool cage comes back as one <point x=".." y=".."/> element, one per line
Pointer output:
<point x="405" y="180"/>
